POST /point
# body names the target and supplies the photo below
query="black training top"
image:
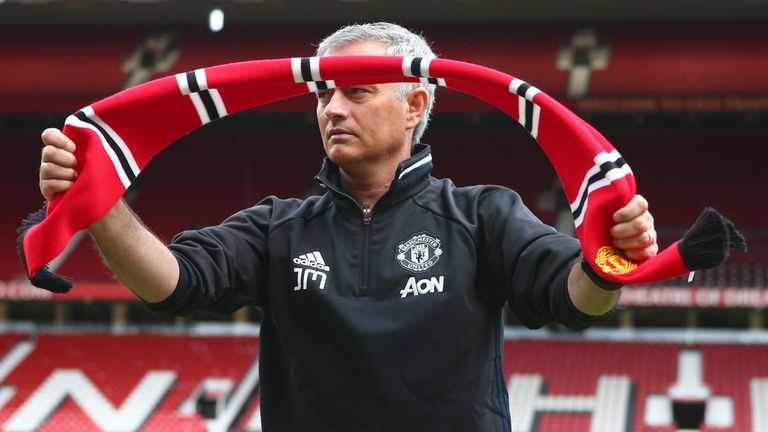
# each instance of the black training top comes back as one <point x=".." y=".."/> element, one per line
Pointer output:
<point x="388" y="319"/>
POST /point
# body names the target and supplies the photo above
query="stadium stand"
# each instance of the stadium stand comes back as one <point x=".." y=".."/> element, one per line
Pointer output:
<point x="554" y="384"/>
<point x="731" y="374"/>
<point x="120" y="382"/>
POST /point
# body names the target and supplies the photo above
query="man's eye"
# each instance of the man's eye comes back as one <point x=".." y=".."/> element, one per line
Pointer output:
<point x="323" y="94"/>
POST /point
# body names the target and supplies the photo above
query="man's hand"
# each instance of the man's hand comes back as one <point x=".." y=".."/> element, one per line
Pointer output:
<point x="635" y="235"/>
<point x="141" y="261"/>
<point x="57" y="164"/>
<point x="634" y="232"/>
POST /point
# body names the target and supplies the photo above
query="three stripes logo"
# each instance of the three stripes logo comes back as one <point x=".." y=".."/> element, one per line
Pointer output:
<point x="312" y="259"/>
<point x="207" y="101"/>
<point x="607" y="168"/>
<point x="529" y="111"/>
<point x="122" y="158"/>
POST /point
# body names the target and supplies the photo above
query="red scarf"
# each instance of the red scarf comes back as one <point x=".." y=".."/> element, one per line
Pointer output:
<point x="117" y="136"/>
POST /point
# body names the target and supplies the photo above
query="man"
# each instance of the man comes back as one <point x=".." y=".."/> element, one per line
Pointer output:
<point x="382" y="298"/>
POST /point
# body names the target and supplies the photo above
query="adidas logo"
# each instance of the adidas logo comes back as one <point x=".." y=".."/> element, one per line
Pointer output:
<point x="312" y="259"/>
<point x="309" y="277"/>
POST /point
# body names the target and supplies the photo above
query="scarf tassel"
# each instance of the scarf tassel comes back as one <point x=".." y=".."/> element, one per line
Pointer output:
<point x="709" y="241"/>
<point x="44" y="277"/>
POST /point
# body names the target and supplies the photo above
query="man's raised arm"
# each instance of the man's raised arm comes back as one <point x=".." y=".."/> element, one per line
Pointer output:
<point x="137" y="257"/>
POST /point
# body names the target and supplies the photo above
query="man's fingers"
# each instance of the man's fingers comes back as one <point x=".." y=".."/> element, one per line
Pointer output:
<point x="49" y="188"/>
<point x="643" y="240"/>
<point x="642" y="254"/>
<point x="57" y="163"/>
<point x="58" y="156"/>
<point x="634" y="232"/>
<point x="52" y="171"/>
<point x="54" y="137"/>
<point x="634" y="227"/>
<point x="634" y="208"/>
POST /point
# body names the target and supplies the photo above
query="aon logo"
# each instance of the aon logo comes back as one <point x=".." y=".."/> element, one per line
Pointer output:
<point x="423" y="286"/>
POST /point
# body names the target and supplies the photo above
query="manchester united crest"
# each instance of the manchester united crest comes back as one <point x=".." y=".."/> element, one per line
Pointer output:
<point x="419" y="253"/>
<point x="612" y="261"/>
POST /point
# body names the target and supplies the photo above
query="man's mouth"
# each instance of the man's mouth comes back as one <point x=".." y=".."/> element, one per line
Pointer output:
<point x="338" y="131"/>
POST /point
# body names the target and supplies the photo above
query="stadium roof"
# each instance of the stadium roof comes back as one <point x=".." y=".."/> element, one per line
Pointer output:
<point x="186" y="12"/>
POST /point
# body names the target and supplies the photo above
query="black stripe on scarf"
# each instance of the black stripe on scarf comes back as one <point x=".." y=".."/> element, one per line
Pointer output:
<point x="416" y="66"/>
<point x="210" y="106"/>
<point x="604" y="168"/>
<point x="521" y="91"/>
<point x="529" y="116"/>
<point x="112" y="144"/>
<point x="205" y="96"/>
<point x="306" y="74"/>
<point x="306" y="70"/>
<point x="194" y="87"/>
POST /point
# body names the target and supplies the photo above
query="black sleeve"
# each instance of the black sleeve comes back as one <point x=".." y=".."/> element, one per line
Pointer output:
<point x="526" y="263"/>
<point x="222" y="267"/>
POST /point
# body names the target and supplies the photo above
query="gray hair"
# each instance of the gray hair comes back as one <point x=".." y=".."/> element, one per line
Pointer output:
<point x="400" y="42"/>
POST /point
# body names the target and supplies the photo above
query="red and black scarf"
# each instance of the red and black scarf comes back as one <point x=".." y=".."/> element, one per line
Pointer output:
<point x="117" y="136"/>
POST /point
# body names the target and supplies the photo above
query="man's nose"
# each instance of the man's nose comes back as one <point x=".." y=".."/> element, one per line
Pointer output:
<point x="337" y="106"/>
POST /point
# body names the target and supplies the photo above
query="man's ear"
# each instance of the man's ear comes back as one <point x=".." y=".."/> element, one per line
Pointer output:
<point x="417" y="99"/>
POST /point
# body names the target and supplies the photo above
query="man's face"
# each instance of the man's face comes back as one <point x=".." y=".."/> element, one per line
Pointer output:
<point x="363" y="123"/>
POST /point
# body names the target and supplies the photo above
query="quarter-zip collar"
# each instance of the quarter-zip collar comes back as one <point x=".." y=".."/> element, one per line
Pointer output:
<point x="411" y="177"/>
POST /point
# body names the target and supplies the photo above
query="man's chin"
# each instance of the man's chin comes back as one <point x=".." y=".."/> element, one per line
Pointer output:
<point x="342" y="153"/>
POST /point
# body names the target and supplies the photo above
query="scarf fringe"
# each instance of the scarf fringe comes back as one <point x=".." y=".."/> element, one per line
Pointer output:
<point x="44" y="277"/>
<point x="709" y="241"/>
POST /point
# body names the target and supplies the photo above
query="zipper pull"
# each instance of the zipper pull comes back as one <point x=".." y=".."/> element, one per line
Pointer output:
<point x="366" y="214"/>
